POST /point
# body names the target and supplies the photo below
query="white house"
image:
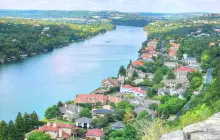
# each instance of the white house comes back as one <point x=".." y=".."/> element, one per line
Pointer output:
<point x="136" y="91"/>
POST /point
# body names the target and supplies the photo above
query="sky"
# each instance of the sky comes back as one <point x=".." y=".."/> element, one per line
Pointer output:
<point x="158" y="6"/>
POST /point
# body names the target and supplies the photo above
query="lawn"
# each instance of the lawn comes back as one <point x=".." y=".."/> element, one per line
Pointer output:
<point x="56" y="121"/>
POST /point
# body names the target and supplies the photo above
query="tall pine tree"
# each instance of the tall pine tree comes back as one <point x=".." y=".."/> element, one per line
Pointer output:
<point x="3" y="130"/>
<point x="27" y="122"/>
<point x="34" y="120"/>
<point x="12" y="134"/>
<point x="19" y="125"/>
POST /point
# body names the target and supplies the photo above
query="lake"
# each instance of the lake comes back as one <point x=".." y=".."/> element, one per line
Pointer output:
<point x="36" y="83"/>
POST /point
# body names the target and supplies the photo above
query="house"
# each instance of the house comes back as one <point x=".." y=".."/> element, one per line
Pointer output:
<point x="83" y="122"/>
<point x="181" y="73"/>
<point x="148" y="60"/>
<point x="70" y="112"/>
<point x="118" y="125"/>
<point x="195" y="66"/>
<point x="131" y="70"/>
<point x="140" y="101"/>
<point x="172" y="83"/>
<point x="95" y="98"/>
<point x="101" y="112"/>
<point x="58" y="131"/>
<point x="109" y="83"/>
<point x="136" y="91"/>
<point x="170" y="91"/>
<point x="171" y="65"/>
<point x="94" y="134"/>
<point x="138" y="63"/>
<point x="189" y="60"/>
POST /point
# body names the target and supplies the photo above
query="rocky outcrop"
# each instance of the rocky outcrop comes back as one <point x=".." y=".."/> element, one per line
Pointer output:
<point x="206" y="130"/>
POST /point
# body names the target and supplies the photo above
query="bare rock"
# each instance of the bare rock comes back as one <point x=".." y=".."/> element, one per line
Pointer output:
<point x="177" y="135"/>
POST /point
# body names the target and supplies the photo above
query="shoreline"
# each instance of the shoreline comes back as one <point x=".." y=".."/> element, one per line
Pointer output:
<point x="26" y="56"/>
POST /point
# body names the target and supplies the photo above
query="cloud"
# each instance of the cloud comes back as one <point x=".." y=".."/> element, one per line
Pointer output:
<point x="119" y="5"/>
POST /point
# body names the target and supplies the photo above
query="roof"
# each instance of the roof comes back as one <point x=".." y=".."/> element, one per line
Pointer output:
<point x="102" y="111"/>
<point x="185" y="69"/>
<point x="190" y="58"/>
<point x="49" y="128"/>
<point x="95" y="132"/>
<point x="138" y="63"/>
<point x="94" y="98"/>
<point x="118" y="124"/>
<point x="139" y="90"/>
<point x="127" y="86"/>
<point x="84" y="120"/>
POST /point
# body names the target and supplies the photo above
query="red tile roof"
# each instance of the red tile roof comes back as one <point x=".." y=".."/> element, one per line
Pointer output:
<point x="138" y="63"/>
<point x="186" y="69"/>
<point x="94" y="132"/>
<point x="65" y="126"/>
<point x="49" y="128"/>
<point x="65" y="135"/>
<point x="94" y="98"/>
<point x="127" y="86"/>
<point x="139" y="90"/>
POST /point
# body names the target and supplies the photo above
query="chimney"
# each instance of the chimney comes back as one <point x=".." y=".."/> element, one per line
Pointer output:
<point x="48" y="123"/>
<point x="54" y="124"/>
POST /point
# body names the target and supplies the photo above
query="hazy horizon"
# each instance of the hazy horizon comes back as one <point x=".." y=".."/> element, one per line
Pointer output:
<point x="156" y="6"/>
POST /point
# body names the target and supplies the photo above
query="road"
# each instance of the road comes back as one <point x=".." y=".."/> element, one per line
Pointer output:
<point x="208" y="80"/>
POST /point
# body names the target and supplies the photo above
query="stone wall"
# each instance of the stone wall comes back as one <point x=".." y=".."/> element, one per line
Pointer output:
<point x="206" y="130"/>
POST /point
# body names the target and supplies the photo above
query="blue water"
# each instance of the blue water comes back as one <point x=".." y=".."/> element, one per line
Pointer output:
<point x="41" y="81"/>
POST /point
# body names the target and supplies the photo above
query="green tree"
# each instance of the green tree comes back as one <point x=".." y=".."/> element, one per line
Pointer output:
<point x="119" y="114"/>
<point x="52" y="112"/>
<point x="143" y="115"/>
<point x="129" y="116"/>
<point x="12" y="133"/>
<point x="113" y="105"/>
<point x="19" y="125"/>
<point x="196" y="83"/>
<point x="3" y="130"/>
<point x="158" y="76"/>
<point x="38" y="136"/>
<point x="129" y="133"/>
<point x="125" y="105"/>
<point x="85" y="113"/>
<point x="134" y="75"/>
<point x="171" y="75"/>
<point x="27" y="122"/>
<point x="122" y="71"/>
<point x="34" y="120"/>
<point x="81" y="132"/>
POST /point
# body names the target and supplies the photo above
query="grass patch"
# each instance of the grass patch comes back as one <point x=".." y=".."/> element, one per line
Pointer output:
<point x="157" y="97"/>
<point x="56" y="121"/>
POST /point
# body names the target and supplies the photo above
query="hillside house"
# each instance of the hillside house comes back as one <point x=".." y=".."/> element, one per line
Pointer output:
<point x="136" y="91"/>
<point x="109" y="83"/>
<point x="94" y="134"/>
<point x="83" y="122"/>
<point x="118" y="125"/>
<point x="70" y="112"/>
<point x="95" y="98"/>
<point x="58" y="131"/>
<point x="171" y="65"/>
